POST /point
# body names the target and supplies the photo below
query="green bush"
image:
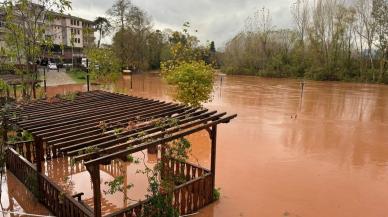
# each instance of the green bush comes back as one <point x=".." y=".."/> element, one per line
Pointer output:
<point x="103" y="65"/>
<point x="193" y="81"/>
<point x="216" y="193"/>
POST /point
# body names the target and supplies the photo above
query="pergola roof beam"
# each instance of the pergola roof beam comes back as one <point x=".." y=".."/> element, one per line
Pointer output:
<point x="95" y="117"/>
<point x="93" y="110"/>
<point x="130" y="150"/>
<point x="42" y="105"/>
<point x="114" y="140"/>
<point x="93" y="133"/>
<point x="154" y="135"/>
<point x="84" y="126"/>
<point x="67" y="110"/>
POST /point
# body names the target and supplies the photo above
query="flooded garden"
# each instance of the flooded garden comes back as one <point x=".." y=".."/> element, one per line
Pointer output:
<point x="320" y="152"/>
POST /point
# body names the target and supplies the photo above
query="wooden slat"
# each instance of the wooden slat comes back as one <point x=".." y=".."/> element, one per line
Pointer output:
<point x="156" y="133"/>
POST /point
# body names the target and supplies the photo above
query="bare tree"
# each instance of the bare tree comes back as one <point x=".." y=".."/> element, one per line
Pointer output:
<point x="300" y="13"/>
<point x="367" y="27"/>
<point x="118" y="13"/>
<point x="380" y="14"/>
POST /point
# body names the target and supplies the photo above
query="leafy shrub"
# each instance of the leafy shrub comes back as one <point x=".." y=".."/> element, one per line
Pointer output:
<point x="103" y="65"/>
<point x="193" y="81"/>
<point x="216" y="193"/>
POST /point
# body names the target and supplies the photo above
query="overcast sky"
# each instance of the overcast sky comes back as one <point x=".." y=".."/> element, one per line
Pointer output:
<point x="215" y="20"/>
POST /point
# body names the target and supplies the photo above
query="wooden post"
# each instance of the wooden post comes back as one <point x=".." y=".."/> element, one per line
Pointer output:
<point x="39" y="153"/>
<point x="44" y="80"/>
<point x="87" y="74"/>
<point x="7" y="90"/>
<point x="5" y="130"/>
<point x="213" y="137"/>
<point x="39" y="158"/>
<point x="152" y="149"/>
<point x="131" y="81"/>
<point x="33" y="90"/>
<point x="14" y="91"/>
<point x="163" y="161"/>
<point x="94" y="171"/>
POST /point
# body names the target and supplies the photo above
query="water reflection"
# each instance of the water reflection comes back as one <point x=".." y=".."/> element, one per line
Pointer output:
<point x="76" y="179"/>
<point x="15" y="198"/>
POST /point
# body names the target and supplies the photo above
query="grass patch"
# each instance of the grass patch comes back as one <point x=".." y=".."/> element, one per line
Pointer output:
<point x="77" y="75"/>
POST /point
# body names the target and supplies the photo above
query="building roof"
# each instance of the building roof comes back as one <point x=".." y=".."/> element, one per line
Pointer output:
<point x="72" y="17"/>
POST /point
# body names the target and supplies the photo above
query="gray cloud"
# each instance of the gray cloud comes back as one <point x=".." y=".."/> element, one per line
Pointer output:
<point x="215" y="20"/>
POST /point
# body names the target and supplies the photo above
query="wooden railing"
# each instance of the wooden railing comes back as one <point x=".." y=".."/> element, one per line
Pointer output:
<point x="193" y="195"/>
<point x="62" y="167"/>
<point x="186" y="170"/>
<point x="50" y="194"/>
<point x="187" y="198"/>
<point x="25" y="149"/>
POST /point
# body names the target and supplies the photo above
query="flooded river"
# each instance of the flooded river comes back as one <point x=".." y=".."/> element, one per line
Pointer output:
<point x="321" y="153"/>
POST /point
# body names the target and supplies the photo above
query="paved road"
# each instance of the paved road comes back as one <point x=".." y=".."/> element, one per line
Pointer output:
<point x="54" y="77"/>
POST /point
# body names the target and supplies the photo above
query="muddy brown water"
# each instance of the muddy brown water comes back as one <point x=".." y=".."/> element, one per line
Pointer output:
<point x="324" y="155"/>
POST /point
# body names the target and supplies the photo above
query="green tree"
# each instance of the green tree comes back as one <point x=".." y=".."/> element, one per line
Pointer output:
<point x="26" y="37"/>
<point x="117" y="14"/>
<point x="103" y="27"/>
<point x="156" y="45"/>
<point x="103" y="64"/>
<point x="193" y="81"/>
<point x="187" y="71"/>
<point x="130" y="41"/>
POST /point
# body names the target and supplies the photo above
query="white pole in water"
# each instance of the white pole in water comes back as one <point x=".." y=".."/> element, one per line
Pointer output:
<point x="25" y="214"/>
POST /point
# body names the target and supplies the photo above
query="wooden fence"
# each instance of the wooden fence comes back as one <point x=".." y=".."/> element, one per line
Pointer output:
<point x="185" y="170"/>
<point x="50" y="194"/>
<point x="187" y="198"/>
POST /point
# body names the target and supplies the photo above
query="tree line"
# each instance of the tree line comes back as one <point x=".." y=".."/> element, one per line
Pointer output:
<point x="137" y="45"/>
<point x="331" y="40"/>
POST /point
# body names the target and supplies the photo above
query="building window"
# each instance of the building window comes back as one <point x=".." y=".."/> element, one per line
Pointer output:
<point x="77" y="22"/>
<point x="78" y="32"/>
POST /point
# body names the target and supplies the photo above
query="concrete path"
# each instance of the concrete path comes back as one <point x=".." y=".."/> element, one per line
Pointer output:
<point x="55" y="77"/>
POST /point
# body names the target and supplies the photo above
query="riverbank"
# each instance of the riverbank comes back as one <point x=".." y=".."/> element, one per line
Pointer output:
<point x="308" y="77"/>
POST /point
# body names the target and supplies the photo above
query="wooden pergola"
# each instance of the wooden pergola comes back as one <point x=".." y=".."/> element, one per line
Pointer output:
<point x="89" y="122"/>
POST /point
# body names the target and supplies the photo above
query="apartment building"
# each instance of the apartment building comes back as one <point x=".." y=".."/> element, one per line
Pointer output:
<point x="70" y="35"/>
